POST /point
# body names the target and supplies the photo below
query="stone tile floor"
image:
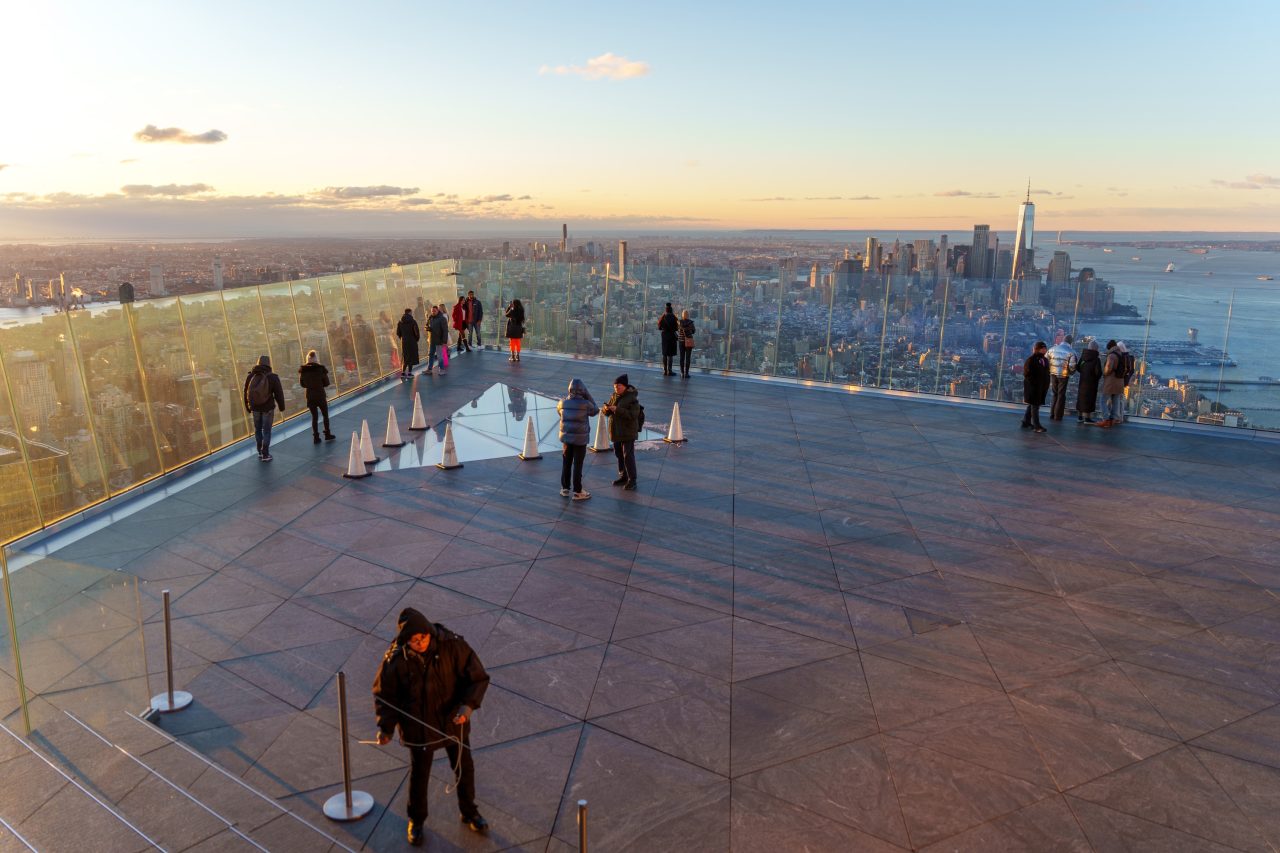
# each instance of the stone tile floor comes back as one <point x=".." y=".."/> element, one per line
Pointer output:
<point x="829" y="622"/>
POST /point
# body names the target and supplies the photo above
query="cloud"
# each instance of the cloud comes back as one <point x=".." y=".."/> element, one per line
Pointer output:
<point x="151" y="133"/>
<point x="151" y="190"/>
<point x="3" y="166"/>
<point x="418" y="202"/>
<point x="380" y="191"/>
<point x="129" y="160"/>
<point x="1255" y="181"/>
<point x="818" y="198"/>
<point x="606" y="66"/>
<point x="963" y="194"/>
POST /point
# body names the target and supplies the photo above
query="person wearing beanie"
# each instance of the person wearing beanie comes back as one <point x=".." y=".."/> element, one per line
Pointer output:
<point x="263" y="393"/>
<point x="1090" y="370"/>
<point x="314" y="377"/>
<point x="625" y="415"/>
<point x="428" y="686"/>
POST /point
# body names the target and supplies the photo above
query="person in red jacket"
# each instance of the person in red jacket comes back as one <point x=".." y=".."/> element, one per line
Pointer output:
<point x="459" y="317"/>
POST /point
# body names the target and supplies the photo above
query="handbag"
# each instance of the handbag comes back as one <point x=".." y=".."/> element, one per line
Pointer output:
<point x="688" y="341"/>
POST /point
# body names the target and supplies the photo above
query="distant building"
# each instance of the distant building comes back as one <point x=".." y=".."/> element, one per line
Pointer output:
<point x="1024" y="242"/>
<point x="217" y="272"/>
<point x="125" y="292"/>
<point x="157" y="281"/>
<point x="622" y="260"/>
<point x="977" y="266"/>
<point x="1060" y="269"/>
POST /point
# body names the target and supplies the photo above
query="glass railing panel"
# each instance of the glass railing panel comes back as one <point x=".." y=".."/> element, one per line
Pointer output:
<point x="20" y="510"/>
<point x="218" y="378"/>
<point x="630" y="318"/>
<point x="174" y="387"/>
<point x="312" y="327"/>
<point x="119" y="400"/>
<point x="706" y="302"/>
<point x="287" y="354"/>
<point x="79" y="636"/>
<point x="799" y="342"/>
<point x="364" y="331"/>
<point x="248" y="333"/>
<point x="343" y="368"/>
<point x="384" y="310"/>
<point x="50" y="405"/>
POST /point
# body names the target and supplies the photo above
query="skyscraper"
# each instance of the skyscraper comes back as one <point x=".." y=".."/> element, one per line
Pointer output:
<point x="622" y="260"/>
<point x="1060" y="268"/>
<point x="1023" y="244"/>
<point x="157" y="280"/>
<point x="873" y="255"/>
<point x="977" y="266"/>
<point x="217" y="272"/>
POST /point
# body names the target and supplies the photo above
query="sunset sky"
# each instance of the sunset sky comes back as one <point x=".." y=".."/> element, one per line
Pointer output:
<point x="238" y="118"/>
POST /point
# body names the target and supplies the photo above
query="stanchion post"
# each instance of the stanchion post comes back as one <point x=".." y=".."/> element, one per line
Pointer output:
<point x="349" y="805"/>
<point x="170" y="700"/>
<point x="582" y="826"/>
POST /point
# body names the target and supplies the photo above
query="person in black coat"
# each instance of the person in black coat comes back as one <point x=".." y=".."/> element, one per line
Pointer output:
<point x="263" y="394"/>
<point x="428" y="686"/>
<point x="669" y="327"/>
<point x="408" y="333"/>
<point x="1035" y="385"/>
<point x="684" y="342"/>
<point x="515" y="328"/>
<point x="1090" y="370"/>
<point x="314" y="377"/>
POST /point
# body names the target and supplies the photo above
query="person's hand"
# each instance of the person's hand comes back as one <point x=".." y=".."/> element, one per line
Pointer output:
<point x="459" y="719"/>
<point x="383" y="738"/>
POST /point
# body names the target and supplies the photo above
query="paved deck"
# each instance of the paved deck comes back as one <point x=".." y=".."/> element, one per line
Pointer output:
<point x="829" y="622"/>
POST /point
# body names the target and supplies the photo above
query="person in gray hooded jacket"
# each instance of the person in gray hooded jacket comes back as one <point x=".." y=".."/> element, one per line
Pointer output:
<point x="576" y="409"/>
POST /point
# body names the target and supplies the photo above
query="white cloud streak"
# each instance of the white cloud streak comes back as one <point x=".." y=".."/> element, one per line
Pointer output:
<point x="606" y="66"/>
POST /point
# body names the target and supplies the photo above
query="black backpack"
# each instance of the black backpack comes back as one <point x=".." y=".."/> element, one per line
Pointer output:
<point x="640" y="418"/>
<point x="1130" y="366"/>
<point x="259" y="390"/>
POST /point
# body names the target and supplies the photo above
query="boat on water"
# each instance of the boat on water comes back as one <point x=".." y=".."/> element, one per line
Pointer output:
<point x="1136" y="258"/>
<point x="1198" y="251"/>
<point x="1266" y="278"/>
<point x="1108" y="251"/>
<point x="1209" y="273"/>
<point x="1169" y="268"/>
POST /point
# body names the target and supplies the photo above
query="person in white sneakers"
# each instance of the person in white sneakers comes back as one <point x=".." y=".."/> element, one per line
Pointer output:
<point x="576" y="409"/>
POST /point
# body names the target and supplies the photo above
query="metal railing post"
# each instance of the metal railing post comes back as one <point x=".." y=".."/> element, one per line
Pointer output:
<point x="170" y="700"/>
<point x="349" y="805"/>
<point x="582" y="826"/>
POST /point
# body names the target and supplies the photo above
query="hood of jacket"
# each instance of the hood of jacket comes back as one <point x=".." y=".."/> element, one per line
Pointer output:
<point x="261" y="369"/>
<point x="312" y="368"/>
<point x="578" y="388"/>
<point x="1088" y="355"/>
<point x="412" y="622"/>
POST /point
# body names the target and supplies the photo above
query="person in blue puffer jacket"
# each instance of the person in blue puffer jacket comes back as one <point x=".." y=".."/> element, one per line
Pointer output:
<point x="576" y="409"/>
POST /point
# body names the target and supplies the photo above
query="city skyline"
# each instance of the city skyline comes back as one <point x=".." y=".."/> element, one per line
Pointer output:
<point x="244" y="121"/>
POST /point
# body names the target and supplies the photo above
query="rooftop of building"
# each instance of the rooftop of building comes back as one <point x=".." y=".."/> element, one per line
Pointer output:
<point x="831" y="620"/>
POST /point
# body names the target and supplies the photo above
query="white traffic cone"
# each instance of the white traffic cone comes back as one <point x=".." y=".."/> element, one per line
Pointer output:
<point x="601" y="442"/>
<point x="449" y="453"/>
<point x="355" y="461"/>
<point x="530" y="451"/>
<point x="366" y="444"/>
<point x="393" y="438"/>
<point x="419" y="421"/>
<point x="675" y="432"/>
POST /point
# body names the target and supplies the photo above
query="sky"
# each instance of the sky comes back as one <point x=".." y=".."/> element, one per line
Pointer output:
<point x="272" y="119"/>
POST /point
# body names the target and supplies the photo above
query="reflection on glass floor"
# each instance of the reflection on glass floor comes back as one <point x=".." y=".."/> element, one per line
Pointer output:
<point x="490" y="426"/>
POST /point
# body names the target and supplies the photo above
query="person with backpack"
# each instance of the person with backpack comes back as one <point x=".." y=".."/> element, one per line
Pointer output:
<point x="684" y="342"/>
<point x="1035" y="385"/>
<point x="1113" y="384"/>
<point x="407" y="332"/>
<point x="576" y="410"/>
<point x="314" y="377"/>
<point x="1062" y="363"/>
<point x="626" y="418"/>
<point x="263" y="393"/>
<point x="437" y="338"/>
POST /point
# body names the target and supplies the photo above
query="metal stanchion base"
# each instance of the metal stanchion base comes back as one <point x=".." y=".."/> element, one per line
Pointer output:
<point x="160" y="702"/>
<point x="335" y="808"/>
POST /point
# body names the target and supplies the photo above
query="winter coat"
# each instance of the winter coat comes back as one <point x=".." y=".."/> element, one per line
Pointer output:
<point x="667" y="324"/>
<point x="1113" y="373"/>
<point x="685" y="331"/>
<point x="1035" y="380"/>
<point x="277" y="390"/>
<point x="515" y="322"/>
<point x="475" y="311"/>
<point x="575" y="410"/>
<point x="407" y="332"/>
<point x="1062" y="359"/>
<point x="314" y="378"/>
<point x="1090" y="370"/>
<point x="624" y="423"/>
<point x="433" y="687"/>
<point x="459" y="315"/>
<point x="438" y="327"/>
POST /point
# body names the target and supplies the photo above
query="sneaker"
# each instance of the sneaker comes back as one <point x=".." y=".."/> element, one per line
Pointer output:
<point x="621" y="481"/>
<point x="1107" y="424"/>
<point x="582" y="495"/>
<point x="328" y="436"/>
<point x="476" y="823"/>
<point x="630" y="486"/>
<point x="1040" y="429"/>
<point x="315" y="439"/>
<point x="266" y="457"/>
<point x="415" y="833"/>
<point x="564" y="493"/>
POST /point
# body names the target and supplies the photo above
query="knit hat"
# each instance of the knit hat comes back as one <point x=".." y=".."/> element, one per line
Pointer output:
<point x="622" y="380"/>
<point x="312" y="357"/>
